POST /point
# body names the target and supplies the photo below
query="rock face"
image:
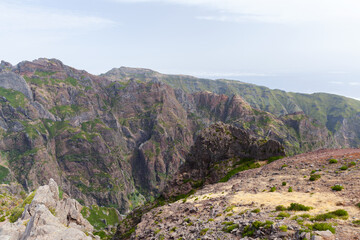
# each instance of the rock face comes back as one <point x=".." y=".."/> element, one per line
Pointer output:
<point x="216" y="151"/>
<point x="9" y="80"/>
<point x="48" y="217"/>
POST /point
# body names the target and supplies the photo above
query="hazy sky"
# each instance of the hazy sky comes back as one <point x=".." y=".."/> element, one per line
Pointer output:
<point x="294" y="45"/>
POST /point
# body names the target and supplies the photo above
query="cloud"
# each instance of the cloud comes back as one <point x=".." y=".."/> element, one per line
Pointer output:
<point x="337" y="82"/>
<point x="228" y="74"/>
<point x="354" y="83"/>
<point x="20" y="17"/>
<point x="274" y="11"/>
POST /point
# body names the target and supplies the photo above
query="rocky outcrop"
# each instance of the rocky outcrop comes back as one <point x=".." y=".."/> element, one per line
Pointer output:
<point x="49" y="217"/>
<point x="216" y="151"/>
<point x="9" y="80"/>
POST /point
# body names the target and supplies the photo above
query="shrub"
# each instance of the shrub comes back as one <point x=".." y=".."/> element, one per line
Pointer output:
<point x="333" y="161"/>
<point x="280" y="208"/>
<point x="322" y="227"/>
<point x="273" y="189"/>
<point x="358" y="205"/>
<point x="290" y="189"/>
<point x="340" y="213"/>
<point x="343" y="168"/>
<point x="283" y="228"/>
<point x="352" y="164"/>
<point x="298" y="207"/>
<point x="314" y="177"/>
<point x="283" y="183"/>
<point x="356" y="222"/>
<point x="337" y="188"/>
<point x="284" y="166"/>
<point x="257" y="210"/>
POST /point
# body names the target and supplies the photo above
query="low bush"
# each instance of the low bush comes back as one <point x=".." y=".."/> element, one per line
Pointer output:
<point x="314" y="177"/>
<point x="333" y="161"/>
<point x="342" y="214"/>
<point x="298" y="207"/>
<point x="337" y="188"/>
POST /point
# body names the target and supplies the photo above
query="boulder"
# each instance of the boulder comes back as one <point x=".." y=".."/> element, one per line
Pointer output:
<point x="15" y="82"/>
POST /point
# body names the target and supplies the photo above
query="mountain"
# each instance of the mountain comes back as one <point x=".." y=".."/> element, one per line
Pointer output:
<point x="117" y="139"/>
<point x="333" y="111"/>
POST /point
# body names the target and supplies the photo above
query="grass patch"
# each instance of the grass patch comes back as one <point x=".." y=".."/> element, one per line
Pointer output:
<point x="340" y="213"/>
<point x="100" y="217"/>
<point x="272" y="159"/>
<point x="283" y="215"/>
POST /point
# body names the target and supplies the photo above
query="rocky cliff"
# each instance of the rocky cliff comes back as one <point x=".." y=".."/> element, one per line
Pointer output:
<point x="45" y="214"/>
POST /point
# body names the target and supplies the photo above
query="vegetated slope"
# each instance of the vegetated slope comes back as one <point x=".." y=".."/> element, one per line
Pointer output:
<point x="337" y="113"/>
<point x="115" y="143"/>
<point x="282" y="199"/>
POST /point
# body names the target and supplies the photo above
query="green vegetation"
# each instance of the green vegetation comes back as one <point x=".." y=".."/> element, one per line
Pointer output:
<point x="352" y="164"/>
<point x="322" y="227"/>
<point x="356" y="222"/>
<point x="280" y="208"/>
<point x="283" y="228"/>
<point x="314" y="177"/>
<point x="4" y="172"/>
<point x="343" y="168"/>
<point x="17" y="212"/>
<point x="290" y="189"/>
<point x="204" y="231"/>
<point x="272" y="159"/>
<point x="15" y="98"/>
<point x="61" y="193"/>
<point x="337" y="188"/>
<point x="240" y="166"/>
<point x="358" y="205"/>
<point x="342" y="214"/>
<point x="250" y="229"/>
<point x="283" y="215"/>
<point x="333" y="161"/>
<point x="229" y="226"/>
<point x="298" y="207"/>
<point x="100" y="217"/>
<point x="257" y="210"/>
<point x="273" y="189"/>
<point x="283" y="183"/>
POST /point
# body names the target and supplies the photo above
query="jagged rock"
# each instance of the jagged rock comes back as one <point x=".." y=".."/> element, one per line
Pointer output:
<point x="48" y="217"/>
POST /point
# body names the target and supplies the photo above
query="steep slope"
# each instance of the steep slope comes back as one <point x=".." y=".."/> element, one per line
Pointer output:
<point x="330" y="110"/>
<point x="280" y="200"/>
